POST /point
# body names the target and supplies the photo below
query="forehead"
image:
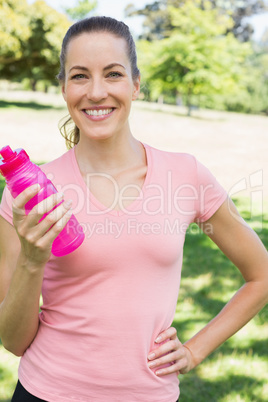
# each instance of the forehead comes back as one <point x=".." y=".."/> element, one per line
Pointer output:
<point x="97" y="46"/>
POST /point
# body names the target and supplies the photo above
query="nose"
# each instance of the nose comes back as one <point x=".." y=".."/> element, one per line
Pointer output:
<point x="97" y="90"/>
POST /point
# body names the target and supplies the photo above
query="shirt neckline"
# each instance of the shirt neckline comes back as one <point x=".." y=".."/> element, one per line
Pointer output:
<point x="102" y="209"/>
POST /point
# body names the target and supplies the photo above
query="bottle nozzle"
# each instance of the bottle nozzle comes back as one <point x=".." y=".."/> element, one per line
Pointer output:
<point x="6" y="153"/>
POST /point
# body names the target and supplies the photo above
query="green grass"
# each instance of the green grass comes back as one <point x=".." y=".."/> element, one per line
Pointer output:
<point x="238" y="370"/>
<point x="27" y="105"/>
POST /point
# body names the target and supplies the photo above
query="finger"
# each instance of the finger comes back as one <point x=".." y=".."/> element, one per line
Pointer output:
<point x="165" y="348"/>
<point x="169" y="358"/>
<point x="54" y="231"/>
<point x="170" y="333"/>
<point x="32" y="229"/>
<point x="44" y="207"/>
<point x="183" y="362"/>
<point x="36" y="244"/>
<point x="24" y="197"/>
<point x="166" y="353"/>
<point x="24" y="223"/>
<point x="174" y="368"/>
<point x="55" y="216"/>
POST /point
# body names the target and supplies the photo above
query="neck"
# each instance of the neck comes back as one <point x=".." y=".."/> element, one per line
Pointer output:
<point x="110" y="155"/>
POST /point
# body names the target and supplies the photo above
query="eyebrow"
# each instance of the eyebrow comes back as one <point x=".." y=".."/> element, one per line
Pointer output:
<point x="112" y="65"/>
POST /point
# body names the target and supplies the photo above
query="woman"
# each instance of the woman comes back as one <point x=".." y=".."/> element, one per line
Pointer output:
<point x="104" y="329"/>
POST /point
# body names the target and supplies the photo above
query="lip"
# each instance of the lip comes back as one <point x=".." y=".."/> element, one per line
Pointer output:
<point x="101" y="117"/>
<point x="103" y="107"/>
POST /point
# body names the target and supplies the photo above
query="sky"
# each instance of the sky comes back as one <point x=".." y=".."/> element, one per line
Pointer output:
<point x="115" y="8"/>
<point x="111" y="8"/>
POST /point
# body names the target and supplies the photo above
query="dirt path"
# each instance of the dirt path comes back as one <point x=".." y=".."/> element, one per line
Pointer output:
<point x="234" y="146"/>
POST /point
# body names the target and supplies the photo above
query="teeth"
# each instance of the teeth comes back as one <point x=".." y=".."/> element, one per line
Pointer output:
<point x="99" y="112"/>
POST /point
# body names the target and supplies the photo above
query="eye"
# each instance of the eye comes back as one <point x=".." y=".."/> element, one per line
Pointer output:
<point x="78" y="76"/>
<point x="114" y="74"/>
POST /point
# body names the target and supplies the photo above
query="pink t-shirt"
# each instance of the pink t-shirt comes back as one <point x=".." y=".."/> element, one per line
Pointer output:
<point x="105" y="303"/>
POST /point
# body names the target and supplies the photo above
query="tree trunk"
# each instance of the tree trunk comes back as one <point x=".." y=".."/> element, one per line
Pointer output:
<point x="188" y="102"/>
<point x="33" y="85"/>
<point x="160" y="99"/>
<point x="189" y="113"/>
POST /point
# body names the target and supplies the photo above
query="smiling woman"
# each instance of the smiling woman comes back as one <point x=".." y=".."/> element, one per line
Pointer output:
<point x="108" y="50"/>
<point x="98" y="78"/>
<point x="104" y="331"/>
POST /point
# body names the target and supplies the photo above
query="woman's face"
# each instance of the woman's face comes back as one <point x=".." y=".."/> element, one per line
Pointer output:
<point x="99" y="87"/>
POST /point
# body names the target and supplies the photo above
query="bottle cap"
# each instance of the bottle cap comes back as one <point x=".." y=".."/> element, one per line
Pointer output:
<point x="11" y="160"/>
<point x="6" y="152"/>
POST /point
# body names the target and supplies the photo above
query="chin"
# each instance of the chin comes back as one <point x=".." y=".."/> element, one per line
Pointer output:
<point x="97" y="137"/>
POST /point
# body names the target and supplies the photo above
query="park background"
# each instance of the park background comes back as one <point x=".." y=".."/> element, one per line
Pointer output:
<point x="204" y="91"/>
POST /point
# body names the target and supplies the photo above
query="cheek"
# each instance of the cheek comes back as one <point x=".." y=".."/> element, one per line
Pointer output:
<point x="73" y="94"/>
<point x="126" y="91"/>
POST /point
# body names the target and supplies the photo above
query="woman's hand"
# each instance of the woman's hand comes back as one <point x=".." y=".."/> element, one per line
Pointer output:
<point x="173" y="352"/>
<point x="37" y="236"/>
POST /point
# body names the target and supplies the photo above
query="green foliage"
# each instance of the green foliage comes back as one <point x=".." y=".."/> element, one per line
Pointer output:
<point x="82" y="9"/>
<point x="158" y="24"/>
<point x="14" y="29"/>
<point x="2" y="185"/>
<point x="239" y="10"/>
<point x="196" y="59"/>
<point x="189" y="53"/>
<point x="35" y="34"/>
<point x="255" y="98"/>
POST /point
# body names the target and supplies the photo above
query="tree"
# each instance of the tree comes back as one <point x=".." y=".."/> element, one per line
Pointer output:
<point x="82" y="9"/>
<point x="240" y="10"/>
<point x="264" y="40"/>
<point x="35" y="51"/>
<point x="196" y="59"/>
<point x="158" y="24"/>
<point x="257" y="87"/>
<point x="255" y="98"/>
<point x="14" y="29"/>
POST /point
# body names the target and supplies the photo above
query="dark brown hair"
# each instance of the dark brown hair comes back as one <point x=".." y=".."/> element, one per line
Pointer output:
<point x="90" y="25"/>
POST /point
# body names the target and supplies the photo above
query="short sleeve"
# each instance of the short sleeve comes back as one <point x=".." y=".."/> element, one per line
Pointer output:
<point x="6" y="206"/>
<point x="211" y="194"/>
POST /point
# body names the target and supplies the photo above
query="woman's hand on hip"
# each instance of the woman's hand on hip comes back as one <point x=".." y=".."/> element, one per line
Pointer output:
<point x="171" y="352"/>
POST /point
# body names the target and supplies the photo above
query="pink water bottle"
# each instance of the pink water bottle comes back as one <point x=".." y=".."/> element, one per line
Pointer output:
<point x="20" y="173"/>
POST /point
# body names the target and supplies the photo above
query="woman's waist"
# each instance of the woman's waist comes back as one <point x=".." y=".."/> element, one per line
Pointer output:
<point x="112" y="364"/>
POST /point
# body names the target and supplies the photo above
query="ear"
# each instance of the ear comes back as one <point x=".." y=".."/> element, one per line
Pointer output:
<point x="63" y="91"/>
<point x="136" y="88"/>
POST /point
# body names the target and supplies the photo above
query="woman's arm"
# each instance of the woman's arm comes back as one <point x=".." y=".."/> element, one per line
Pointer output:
<point x="19" y="293"/>
<point x="24" y="251"/>
<point x="243" y="247"/>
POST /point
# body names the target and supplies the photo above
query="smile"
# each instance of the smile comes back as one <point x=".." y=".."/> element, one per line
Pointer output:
<point x="98" y="112"/>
